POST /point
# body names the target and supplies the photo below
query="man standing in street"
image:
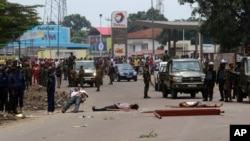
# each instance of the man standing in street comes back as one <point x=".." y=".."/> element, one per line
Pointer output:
<point x="111" y="73"/>
<point x="98" y="77"/>
<point x="81" y="74"/>
<point x="209" y="82"/>
<point x="51" y="84"/>
<point x="220" y="79"/>
<point x="166" y="57"/>
<point x="59" y="76"/>
<point x="71" y="60"/>
<point x="146" y="79"/>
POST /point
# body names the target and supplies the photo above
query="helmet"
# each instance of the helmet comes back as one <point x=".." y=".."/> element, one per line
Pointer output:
<point x="211" y="63"/>
<point x="223" y="61"/>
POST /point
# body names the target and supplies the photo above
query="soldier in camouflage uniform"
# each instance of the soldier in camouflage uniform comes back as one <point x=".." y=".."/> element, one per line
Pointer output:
<point x="71" y="60"/>
<point x="166" y="57"/>
<point x="27" y="75"/>
<point x="230" y="78"/>
<point x="147" y="80"/>
<point x="80" y="75"/>
<point x="98" y="77"/>
<point x="72" y="78"/>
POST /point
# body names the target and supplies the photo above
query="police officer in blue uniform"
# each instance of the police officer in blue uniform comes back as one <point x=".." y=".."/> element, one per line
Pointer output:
<point x="3" y="90"/>
<point x="51" y="86"/>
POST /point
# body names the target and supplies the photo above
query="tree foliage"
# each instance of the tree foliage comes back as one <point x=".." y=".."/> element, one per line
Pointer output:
<point x="227" y="21"/>
<point x="15" y="19"/>
<point x="77" y="23"/>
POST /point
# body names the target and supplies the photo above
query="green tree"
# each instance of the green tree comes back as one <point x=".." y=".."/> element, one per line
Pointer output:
<point x="15" y="19"/>
<point x="227" y="21"/>
<point x="141" y="15"/>
<point x="77" y="23"/>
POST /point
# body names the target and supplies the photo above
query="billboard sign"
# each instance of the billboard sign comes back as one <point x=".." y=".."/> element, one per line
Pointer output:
<point x="119" y="19"/>
<point x="119" y="49"/>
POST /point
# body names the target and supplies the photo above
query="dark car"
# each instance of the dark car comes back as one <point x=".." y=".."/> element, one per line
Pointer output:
<point x="125" y="72"/>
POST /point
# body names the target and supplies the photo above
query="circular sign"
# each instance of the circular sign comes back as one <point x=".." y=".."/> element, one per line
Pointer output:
<point x="101" y="46"/>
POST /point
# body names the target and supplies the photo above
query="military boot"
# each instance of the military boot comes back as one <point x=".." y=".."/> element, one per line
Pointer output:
<point x="146" y="95"/>
<point x="21" y="109"/>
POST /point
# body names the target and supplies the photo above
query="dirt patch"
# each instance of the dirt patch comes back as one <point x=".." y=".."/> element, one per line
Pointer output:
<point x="35" y="105"/>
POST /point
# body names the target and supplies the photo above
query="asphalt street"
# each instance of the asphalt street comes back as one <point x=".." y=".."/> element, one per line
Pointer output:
<point x="132" y="125"/>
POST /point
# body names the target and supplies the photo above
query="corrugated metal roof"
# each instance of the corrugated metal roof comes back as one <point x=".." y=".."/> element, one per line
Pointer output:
<point x="169" y="24"/>
<point x="144" y="34"/>
<point x="104" y="30"/>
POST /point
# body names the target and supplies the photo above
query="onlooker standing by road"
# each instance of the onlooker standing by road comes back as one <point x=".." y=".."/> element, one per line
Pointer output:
<point x="12" y="83"/>
<point x="136" y="63"/>
<point x="59" y="76"/>
<point x="220" y="79"/>
<point x="36" y="70"/>
<point x="146" y="79"/>
<point x="28" y="75"/>
<point x="210" y="79"/>
<point x="3" y="90"/>
<point x="111" y="72"/>
<point x="51" y="86"/>
<point x="20" y="88"/>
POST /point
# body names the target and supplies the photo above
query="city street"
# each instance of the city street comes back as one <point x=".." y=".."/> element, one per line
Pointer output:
<point x="132" y="125"/>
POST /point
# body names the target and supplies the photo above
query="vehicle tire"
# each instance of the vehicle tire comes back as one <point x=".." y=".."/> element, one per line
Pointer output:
<point x="239" y="96"/>
<point x="156" y="87"/>
<point x="164" y="92"/>
<point x="160" y="86"/>
<point x="173" y="93"/>
<point x="192" y="94"/>
<point x="118" y="78"/>
<point x="135" y="79"/>
<point x="128" y="79"/>
<point x="91" y="84"/>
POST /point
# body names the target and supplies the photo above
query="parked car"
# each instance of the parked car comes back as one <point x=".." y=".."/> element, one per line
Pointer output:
<point x="159" y="68"/>
<point x="125" y="72"/>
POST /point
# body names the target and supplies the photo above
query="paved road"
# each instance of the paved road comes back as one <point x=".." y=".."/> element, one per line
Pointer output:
<point x="128" y="126"/>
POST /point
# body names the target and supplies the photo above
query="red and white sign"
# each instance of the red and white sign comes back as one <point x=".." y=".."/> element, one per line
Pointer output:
<point x="119" y="19"/>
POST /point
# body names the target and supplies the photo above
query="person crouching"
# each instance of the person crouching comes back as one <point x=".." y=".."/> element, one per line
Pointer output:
<point x="77" y="97"/>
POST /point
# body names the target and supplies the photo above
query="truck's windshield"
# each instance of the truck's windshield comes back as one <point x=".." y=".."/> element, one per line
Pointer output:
<point x="186" y="66"/>
<point x="86" y="65"/>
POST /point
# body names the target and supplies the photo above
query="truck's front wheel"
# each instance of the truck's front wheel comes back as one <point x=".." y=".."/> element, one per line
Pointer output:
<point x="173" y="93"/>
<point x="164" y="92"/>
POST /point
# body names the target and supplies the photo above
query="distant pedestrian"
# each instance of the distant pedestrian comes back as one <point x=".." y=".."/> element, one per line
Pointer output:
<point x="51" y="86"/>
<point x="59" y="76"/>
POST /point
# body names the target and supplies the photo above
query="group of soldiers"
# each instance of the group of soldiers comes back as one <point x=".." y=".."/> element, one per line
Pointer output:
<point x="226" y="78"/>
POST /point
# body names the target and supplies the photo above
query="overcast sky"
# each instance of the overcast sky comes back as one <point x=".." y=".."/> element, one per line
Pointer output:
<point x="92" y="8"/>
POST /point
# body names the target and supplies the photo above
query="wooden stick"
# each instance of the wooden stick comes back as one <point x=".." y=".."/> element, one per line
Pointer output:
<point x="157" y="115"/>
